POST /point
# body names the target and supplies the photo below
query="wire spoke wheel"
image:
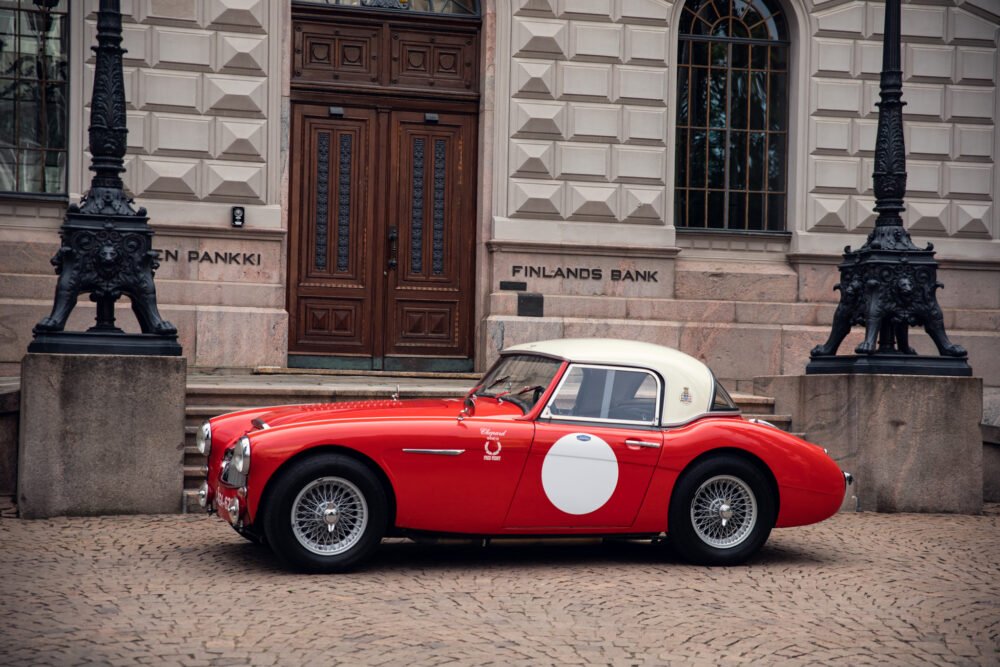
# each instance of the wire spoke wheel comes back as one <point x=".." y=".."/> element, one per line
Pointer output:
<point x="329" y="516"/>
<point x="723" y="511"/>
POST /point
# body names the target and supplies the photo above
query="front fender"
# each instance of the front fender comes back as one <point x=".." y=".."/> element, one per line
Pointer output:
<point x="272" y="448"/>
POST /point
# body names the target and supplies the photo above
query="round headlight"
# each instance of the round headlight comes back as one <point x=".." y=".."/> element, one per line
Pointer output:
<point x="241" y="455"/>
<point x="203" y="439"/>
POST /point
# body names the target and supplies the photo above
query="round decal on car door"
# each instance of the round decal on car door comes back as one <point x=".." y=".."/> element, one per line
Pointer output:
<point x="579" y="473"/>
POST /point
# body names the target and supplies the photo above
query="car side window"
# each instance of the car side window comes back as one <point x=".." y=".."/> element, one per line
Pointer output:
<point x="605" y="393"/>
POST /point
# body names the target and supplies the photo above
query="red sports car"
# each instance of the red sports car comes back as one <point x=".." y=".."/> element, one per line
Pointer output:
<point x="560" y="438"/>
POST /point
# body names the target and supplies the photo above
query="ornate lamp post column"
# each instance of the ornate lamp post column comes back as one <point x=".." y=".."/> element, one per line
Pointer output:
<point x="889" y="284"/>
<point x="106" y="247"/>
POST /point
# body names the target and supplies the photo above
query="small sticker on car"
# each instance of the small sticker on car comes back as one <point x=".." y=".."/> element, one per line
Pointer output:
<point x="583" y="438"/>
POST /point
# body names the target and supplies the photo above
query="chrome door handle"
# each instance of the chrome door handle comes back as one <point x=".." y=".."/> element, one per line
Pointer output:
<point x="642" y="443"/>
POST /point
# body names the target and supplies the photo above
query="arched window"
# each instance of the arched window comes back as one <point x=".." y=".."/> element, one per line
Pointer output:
<point x="454" y="7"/>
<point x="732" y="116"/>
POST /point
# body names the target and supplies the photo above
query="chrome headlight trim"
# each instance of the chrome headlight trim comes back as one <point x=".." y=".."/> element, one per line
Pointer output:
<point x="241" y="455"/>
<point x="203" y="439"/>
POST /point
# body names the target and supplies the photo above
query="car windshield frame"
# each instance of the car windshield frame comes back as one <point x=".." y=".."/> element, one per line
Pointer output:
<point x="510" y="378"/>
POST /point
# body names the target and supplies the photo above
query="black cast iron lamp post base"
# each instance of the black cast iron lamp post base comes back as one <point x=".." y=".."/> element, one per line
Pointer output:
<point x="106" y="244"/>
<point x="889" y="284"/>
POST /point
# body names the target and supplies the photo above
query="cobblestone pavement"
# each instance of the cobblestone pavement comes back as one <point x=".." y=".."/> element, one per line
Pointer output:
<point x="857" y="589"/>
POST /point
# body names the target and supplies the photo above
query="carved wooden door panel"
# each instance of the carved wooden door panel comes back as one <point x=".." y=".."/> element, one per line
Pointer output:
<point x="333" y="255"/>
<point x="382" y="256"/>
<point x="431" y="233"/>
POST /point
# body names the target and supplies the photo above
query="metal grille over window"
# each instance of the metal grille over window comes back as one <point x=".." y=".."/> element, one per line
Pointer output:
<point x="453" y="7"/>
<point x="732" y="116"/>
<point x="34" y="91"/>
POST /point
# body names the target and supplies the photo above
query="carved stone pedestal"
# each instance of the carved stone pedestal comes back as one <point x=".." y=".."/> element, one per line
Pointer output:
<point x="100" y="434"/>
<point x="912" y="442"/>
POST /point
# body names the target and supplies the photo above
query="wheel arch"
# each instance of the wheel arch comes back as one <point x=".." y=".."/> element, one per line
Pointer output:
<point x="360" y="457"/>
<point x="750" y="457"/>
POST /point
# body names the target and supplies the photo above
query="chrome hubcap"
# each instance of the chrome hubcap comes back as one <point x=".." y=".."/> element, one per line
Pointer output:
<point x="329" y="516"/>
<point x="723" y="511"/>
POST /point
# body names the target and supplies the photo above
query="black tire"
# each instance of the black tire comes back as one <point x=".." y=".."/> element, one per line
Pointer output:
<point x="303" y="544"/>
<point x="705" y="540"/>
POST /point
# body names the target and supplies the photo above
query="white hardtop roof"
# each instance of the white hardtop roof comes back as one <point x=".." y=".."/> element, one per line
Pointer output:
<point x="689" y="382"/>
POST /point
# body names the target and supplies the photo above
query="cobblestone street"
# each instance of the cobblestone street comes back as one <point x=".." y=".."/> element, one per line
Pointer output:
<point x="857" y="589"/>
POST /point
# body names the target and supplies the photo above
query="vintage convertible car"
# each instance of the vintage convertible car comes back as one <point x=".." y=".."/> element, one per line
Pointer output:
<point x="560" y="438"/>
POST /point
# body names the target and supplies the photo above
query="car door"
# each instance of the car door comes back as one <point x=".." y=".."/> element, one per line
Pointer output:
<point x="593" y="453"/>
<point x="458" y="476"/>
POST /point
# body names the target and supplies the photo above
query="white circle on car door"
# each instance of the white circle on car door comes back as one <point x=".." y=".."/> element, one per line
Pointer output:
<point x="579" y="473"/>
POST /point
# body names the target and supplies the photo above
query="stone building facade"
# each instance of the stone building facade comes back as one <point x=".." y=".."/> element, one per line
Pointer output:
<point x="570" y="193"/>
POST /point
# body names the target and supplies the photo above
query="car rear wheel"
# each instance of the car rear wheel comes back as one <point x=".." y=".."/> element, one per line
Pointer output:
<point x="721" y="512"/>
<point x="325" y="513"/>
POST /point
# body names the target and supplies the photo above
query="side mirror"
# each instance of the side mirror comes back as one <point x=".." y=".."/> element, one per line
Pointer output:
<point x="470" y="406"/>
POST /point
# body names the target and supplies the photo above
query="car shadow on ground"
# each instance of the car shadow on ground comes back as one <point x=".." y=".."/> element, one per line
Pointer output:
<point x="401" y="555"/>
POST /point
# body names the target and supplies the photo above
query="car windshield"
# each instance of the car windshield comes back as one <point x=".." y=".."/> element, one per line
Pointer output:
<point x="519" y="378"/>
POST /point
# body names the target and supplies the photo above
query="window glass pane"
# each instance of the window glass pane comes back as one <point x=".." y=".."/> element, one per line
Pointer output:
<point x="758" y="57"/>
<point x="755" y="160"/>
<point x="741" y="56"/>
<point x="55" y="171"/>
<point x="778" y="96"/>
<point x="31" y="171"/>
<point x="739" y="101"/>
<point x="28" y="118"/>
<point x="696" y="168"/>
<point x="699" y="53"/>
<point x="8" y="23"/>
<point x="775" y="212"/>
<point x="696" y="208"/>
<point x="717" y="98"/>
<point x="719" y="54"/>
<point x="8" y="164"/>
<point x="755" y="214"/>
<point x="716" y="210"/>
<point x="779" y="58"/>
<point x="776" y="163"/>
<point x="737" y="210"/>
<point x="758" y="100"/>
<point x="716" y="159"/>
<point x="699" y="95"/>
<point x="738" y="160"/>
<point x="7" y="135"/>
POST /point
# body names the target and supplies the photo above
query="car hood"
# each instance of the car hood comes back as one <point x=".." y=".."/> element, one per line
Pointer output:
<point x="386" y="408"/>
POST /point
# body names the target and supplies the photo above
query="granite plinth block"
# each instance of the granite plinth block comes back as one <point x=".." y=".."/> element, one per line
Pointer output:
<point x="100" y="434"/>
<point x="912" y="442"/>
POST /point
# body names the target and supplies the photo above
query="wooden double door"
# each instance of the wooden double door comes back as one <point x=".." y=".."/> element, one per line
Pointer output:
<point x="382" y="233"/>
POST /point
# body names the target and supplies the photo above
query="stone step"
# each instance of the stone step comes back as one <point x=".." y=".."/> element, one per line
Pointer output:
<point x="749" y="403"/>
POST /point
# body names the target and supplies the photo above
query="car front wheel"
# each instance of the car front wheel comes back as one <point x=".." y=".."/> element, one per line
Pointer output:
<point x="325" y="513"/>
<point x="721" y="512"/>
